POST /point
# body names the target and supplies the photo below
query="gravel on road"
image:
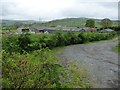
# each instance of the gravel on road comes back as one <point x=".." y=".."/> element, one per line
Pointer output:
<point x="100" y="60"/>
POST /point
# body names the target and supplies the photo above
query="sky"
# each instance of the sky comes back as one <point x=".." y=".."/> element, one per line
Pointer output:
<point x="46" y="10"/>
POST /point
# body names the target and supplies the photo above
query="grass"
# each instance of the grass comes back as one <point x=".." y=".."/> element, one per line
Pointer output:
<point x="5" y="31"/>
<point x="95" y="42"/>
<point x="117" y="49"/>
<point x="98" y="41"/>
<point x="70" y="22"/>
<point x="75" y="77"/>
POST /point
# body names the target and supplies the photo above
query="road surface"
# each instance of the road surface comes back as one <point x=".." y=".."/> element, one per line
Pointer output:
<point x="100" y="60"/>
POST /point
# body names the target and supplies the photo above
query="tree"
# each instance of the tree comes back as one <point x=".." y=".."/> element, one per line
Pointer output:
<point x="106" y="23"/>
<point x="90" y="23"/>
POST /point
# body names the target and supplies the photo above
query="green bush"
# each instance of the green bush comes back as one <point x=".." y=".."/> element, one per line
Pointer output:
<point x="31" y="42"/>
<point x="94" y="36"/>
<point x="10" y="43"/>
<point x="24" y="42"/>
<point x="72" y="37"/>
<point x="39" y="69"/>
<point x="21" y="71"/>
<point x="51" y="41"/>
<point x="60" y="39"/>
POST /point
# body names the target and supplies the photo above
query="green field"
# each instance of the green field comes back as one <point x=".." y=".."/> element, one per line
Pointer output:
<point x="5" y="31"/>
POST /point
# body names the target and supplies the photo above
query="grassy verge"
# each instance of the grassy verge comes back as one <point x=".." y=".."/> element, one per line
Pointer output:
<point x="98" y="41"/>
<point x="95" y="42"/>
<point x="75" y="77"/>
<point x="117" y="49"/>
<point x="8" y="31"/>
<point x="39" y="69"/>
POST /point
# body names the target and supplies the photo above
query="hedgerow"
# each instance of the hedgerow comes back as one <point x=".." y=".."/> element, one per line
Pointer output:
<point x="31" y="42"/>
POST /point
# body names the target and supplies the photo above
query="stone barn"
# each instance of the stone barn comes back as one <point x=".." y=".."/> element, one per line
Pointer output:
<point x="23" y="30"/>
<point x="92" y="30"/>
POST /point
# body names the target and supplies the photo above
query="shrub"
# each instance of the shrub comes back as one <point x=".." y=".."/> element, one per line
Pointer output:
<point x="21" y="71"/>
<point x="51" y="41"/>
<point x="31" y="42"/>
<point x="10" y="43"/>
<point x="60" y="39"/>
<point x="24" y="42"/>
<point x="94" y="36"/>
<point x="73" y="39"/>
<point x="39" y="69"/>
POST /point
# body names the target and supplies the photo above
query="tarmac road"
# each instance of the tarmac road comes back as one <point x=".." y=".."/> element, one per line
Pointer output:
<point x="100" y="60"/>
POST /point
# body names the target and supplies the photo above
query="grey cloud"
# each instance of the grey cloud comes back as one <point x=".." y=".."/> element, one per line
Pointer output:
<point x="76" y="13"/>
<point x="96" y="10"/>
<point x="12" y="9"/>
<point x="7" y="8"/>
<point x="113" y="5"/>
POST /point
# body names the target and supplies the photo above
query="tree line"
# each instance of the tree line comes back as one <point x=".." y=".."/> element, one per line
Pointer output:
<point x="105" y="23"/>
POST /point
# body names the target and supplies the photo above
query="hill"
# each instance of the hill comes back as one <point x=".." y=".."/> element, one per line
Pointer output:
<point x="68" y="22"/>
<point x="7" y="23"/>
<point x="71" y="22"/>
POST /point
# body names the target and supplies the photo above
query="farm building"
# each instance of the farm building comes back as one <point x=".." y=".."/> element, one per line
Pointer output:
<point x="106" y="30"/>
<point x="87" y="29"/>
<point x="23" y="30"/>
<point x="53" y="29"/>
<point x="35" y="30"/>
<point x="42" y="29"/>
<point x="92" y="30"/>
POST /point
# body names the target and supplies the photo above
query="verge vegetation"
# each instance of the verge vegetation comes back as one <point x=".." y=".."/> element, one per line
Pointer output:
<point x="28" y="61"/>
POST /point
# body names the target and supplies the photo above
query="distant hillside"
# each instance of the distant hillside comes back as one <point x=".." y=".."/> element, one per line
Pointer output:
<point x="71" y="22"/>
<point x="68" y="22"/>
<point x="13" y="22"/>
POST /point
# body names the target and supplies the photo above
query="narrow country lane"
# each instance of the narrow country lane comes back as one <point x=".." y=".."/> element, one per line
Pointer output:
<point x="100" y="60"/>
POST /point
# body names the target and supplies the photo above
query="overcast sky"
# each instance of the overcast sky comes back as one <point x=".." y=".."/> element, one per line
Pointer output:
<point x="57" y="9"/>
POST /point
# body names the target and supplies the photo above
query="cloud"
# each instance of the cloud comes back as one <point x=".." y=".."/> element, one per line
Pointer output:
<point x="92" y="9"/>
<point x="56" y="9"/>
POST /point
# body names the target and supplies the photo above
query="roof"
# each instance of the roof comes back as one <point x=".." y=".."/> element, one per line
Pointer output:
<point x="108" y="30"/>
<point x="57" y="28"/>
<point x="89" y="29"/>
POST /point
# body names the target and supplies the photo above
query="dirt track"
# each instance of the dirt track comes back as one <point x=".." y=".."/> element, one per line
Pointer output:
<point x="98" y="58"/>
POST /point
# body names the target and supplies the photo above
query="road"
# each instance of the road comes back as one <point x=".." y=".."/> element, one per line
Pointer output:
<point x="100" y="60"/>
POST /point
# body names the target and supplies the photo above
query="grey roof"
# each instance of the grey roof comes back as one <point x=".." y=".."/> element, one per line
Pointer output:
<point x="57" y="28"/>
<point x="108" y="30"/>
<point x="88" y="28"/>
